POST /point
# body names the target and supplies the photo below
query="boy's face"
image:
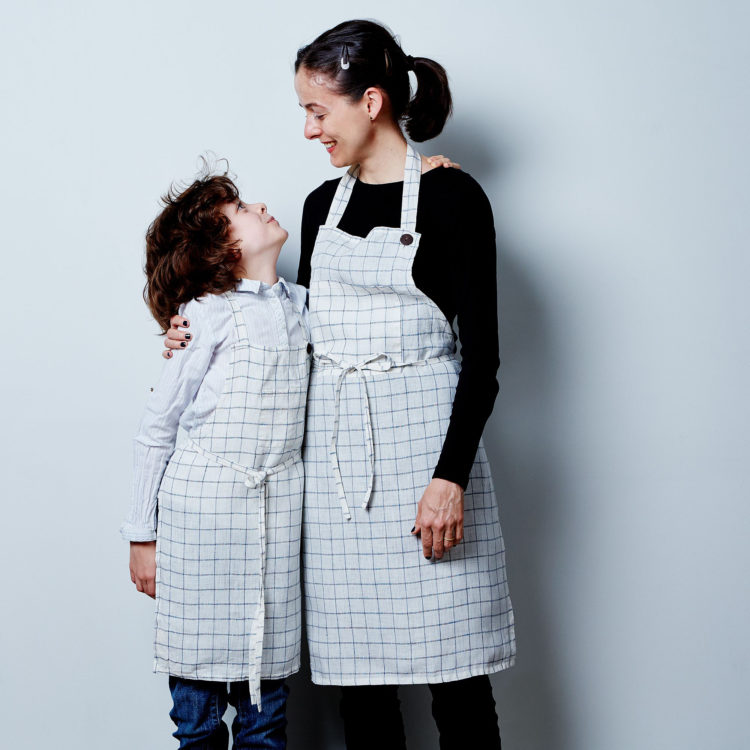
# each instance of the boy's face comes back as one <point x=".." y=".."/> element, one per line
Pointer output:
<point x="256" y="230"/>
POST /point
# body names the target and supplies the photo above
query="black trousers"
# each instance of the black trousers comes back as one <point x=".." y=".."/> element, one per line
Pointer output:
<point x="464" y="712"/>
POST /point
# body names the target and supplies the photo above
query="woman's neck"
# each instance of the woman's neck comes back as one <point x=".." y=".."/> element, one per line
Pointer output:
<point x="385" y="157"/>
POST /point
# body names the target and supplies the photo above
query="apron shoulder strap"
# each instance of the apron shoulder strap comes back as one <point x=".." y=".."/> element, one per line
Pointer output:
<point x="410" y="195"/>
<point x="239" y="319"/>
<point x="342" y="195"/>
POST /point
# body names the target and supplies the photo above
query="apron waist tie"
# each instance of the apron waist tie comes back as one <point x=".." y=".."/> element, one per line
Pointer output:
<point x="254" y="479"/>
<point x="378" y="363"/>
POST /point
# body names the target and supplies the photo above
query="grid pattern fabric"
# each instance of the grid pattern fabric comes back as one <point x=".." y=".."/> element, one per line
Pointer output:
<point x="379" y="404"/>
<point x="229" y="523"/>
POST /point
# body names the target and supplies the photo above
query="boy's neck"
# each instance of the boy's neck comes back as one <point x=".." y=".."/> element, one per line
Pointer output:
<point x="265" y="272"/>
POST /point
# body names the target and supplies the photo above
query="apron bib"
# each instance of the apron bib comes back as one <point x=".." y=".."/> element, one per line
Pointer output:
<point x="228" y="531"/>
<point x="380" y="399"/>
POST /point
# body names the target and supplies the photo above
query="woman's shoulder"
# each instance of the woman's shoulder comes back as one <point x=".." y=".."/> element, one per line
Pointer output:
<point x="442" y="181"/>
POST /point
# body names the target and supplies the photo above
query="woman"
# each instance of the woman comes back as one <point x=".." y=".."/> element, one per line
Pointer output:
<point x="393" y="447"/>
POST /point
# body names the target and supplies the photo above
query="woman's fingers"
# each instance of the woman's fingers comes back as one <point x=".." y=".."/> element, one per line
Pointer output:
<point x="176" y="338"/>
<point x="450" y="537"/>
<point x="438" y="543"/>
<point x="427" y="542"/>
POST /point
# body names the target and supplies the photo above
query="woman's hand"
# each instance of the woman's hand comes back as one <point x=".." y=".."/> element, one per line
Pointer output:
<point x="442" y="161"/>
<point x="176" y="337"/>
<point x="440" y="517"/>
<point x="143" y="567"/>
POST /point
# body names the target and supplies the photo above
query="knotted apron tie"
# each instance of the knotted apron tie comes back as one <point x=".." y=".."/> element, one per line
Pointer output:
<point x="378" y="363"/>
<point x="254" y="479"/>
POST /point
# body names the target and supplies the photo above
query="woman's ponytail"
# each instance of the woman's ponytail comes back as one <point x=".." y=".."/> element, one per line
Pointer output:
<point x="427" y="112"/>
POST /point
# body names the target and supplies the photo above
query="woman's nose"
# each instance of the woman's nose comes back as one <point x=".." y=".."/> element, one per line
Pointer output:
<point x="312" y="130"/>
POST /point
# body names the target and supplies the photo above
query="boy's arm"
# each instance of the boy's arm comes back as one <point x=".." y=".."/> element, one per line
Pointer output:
<point x="153" y="445"/>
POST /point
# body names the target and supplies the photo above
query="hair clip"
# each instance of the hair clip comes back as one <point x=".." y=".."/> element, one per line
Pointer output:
<point x="345" y="56"/>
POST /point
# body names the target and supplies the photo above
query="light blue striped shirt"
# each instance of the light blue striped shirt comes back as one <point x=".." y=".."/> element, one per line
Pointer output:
<point x="191" y="381"/>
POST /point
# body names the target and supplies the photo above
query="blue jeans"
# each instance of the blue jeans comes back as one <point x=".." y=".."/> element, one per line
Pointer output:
<point x="199" y="706"/>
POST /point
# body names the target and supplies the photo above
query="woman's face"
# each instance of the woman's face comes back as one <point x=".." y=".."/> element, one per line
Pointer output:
<point x="341" y="125"/>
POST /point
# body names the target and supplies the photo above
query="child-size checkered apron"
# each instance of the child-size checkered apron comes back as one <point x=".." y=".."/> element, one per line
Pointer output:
<point x="228" y="531"/>
<point x="381" y="393"/>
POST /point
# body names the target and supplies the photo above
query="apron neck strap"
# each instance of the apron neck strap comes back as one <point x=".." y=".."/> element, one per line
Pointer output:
<point x="409" y="196"/>
<point x="239" y="318"/>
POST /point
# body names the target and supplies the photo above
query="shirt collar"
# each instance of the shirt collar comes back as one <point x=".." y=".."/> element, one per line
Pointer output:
<point x="254" y="285"/>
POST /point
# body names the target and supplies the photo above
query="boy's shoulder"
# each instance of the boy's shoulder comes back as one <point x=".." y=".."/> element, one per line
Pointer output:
<point x="208" y="311"/>
<point x="298" y="293"/>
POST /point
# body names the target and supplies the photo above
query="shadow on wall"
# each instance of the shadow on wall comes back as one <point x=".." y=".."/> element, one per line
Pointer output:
<point x="529" y="699"/>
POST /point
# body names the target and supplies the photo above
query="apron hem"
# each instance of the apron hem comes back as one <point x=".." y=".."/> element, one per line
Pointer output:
<point x="192" y="675"/>
<point x="417" y="679"/>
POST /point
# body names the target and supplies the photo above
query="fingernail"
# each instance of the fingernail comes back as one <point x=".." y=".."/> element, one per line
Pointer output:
<point x="187" y="335"/>
<point x="182" y="343"/>
<point x="428" y="557"/>
<point x="412" y="529"/>
<point x="184" y="322"/>
<point x="169" y="354"/>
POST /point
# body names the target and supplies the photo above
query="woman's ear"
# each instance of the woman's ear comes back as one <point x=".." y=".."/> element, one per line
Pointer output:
<point x="373" y="101"/>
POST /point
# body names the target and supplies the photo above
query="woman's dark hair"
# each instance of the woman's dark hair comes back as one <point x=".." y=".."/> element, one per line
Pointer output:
<point x="375" y="58"/>
<point x="189" y="252"/>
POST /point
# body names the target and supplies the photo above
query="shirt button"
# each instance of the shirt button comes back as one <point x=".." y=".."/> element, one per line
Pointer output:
<point x="406" y="239"/>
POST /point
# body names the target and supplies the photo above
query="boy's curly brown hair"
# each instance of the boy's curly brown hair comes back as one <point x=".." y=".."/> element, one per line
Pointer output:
<point x="188" y="249"/>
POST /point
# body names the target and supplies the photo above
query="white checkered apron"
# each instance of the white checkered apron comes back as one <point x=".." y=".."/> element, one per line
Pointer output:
<point x="380" y="399"/>
<point x="229" y="523"/>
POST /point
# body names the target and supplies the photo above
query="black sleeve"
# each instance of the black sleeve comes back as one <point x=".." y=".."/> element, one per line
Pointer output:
<point x="472" y="272"/>
<point x="307" y="242"/>
<point x="314" y="213"/>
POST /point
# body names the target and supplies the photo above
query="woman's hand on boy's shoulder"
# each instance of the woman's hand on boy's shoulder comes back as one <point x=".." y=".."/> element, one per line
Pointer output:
<point x="177" y="336"/>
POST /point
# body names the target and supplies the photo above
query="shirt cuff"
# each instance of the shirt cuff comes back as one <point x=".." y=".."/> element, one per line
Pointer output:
<point x="132" y="533"/>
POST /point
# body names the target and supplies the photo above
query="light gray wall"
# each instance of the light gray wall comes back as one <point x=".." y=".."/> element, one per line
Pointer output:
<point x="612" y="140"/>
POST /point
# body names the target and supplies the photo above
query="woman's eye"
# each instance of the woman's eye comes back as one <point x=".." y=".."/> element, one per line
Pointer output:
<point x="318" y="117"/>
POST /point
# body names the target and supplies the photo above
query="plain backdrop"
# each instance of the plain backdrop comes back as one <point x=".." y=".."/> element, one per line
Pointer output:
<point x="611" y="138"/>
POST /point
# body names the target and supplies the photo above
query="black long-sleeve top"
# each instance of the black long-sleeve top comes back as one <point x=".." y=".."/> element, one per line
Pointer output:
<point x="455" y="267"/>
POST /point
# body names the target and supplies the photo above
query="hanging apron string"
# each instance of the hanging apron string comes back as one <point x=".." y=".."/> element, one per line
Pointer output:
<point x="377" y="363"/>
<point x="254" y="479"/>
